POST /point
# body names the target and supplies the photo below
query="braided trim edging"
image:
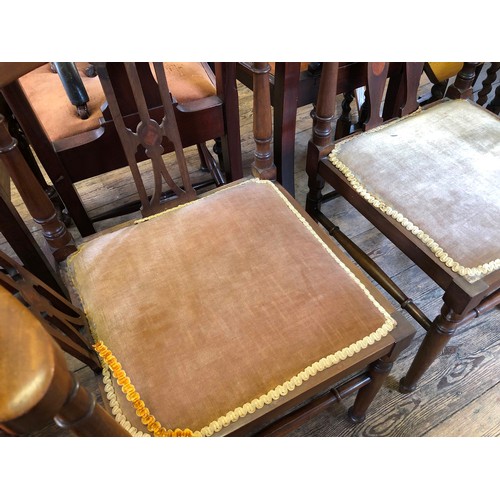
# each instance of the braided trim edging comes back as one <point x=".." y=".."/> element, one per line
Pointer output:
<point x="471" y="274"/>
<point x="154" y="426"/>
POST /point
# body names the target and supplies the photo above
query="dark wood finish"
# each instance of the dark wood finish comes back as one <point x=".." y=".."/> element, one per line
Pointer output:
<point x="99" y="151"/>
<point x="17" y="133"/>
<point x="66" y="323"/>
<point x="263" y="167"/>
<point x="486" y="84"/>
<point x="462" y="86"/>
<point x="42" y="210"/>
<point x="466" y="372"/>
<point x="24" y="245"/>
<point x="149" y="135"/>
<point x="16" y="98"/>
<point x="462" y="300"/>
<point x="494" y="105"/>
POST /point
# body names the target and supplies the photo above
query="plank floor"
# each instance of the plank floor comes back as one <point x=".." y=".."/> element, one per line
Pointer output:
<point x="458" y="396"/>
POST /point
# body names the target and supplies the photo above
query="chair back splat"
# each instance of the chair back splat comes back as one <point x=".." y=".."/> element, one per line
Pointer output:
<point x="427" y="178"/>
<point x="149" y="135"/>
<point x="66" y="323"/>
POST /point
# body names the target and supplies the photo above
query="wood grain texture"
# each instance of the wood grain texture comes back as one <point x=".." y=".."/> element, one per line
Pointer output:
<point x="479" y="418"/>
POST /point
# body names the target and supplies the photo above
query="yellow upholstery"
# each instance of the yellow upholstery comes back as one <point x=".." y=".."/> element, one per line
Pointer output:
<point x="229" y="291"/>
<point x="187" y="81"/>
<point x="437" y="173"/>
<point x="440" y="71"/>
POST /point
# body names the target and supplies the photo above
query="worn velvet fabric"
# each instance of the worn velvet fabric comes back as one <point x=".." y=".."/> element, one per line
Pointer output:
<point x="440" y="169"/>
<point x="215" y="303"/>
<point x="187" y="81"/>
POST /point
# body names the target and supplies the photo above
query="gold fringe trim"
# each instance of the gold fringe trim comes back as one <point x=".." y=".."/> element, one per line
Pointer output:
<point x="134" y="397"/>
<point x="471" y="274"/>
<point x="250" y="407"/>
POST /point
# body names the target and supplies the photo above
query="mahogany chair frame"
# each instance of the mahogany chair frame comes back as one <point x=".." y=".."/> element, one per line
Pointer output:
<point x="89" y="154"/>
<point x="70" y="405"/>
<point x="462" y="301"/>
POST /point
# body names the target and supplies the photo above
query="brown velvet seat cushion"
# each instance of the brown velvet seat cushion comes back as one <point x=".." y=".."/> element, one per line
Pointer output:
<point x="187" y="81"/>
<point x="210" y="306"/>
<point x="437" y="172"/>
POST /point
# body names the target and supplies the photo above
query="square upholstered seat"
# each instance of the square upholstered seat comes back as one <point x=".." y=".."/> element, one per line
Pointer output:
<point x="219" y="307"/>
<point x="435" y="173"/>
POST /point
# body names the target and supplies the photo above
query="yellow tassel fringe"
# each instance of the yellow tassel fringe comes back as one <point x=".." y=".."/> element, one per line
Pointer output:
<point x="134" y="397"/>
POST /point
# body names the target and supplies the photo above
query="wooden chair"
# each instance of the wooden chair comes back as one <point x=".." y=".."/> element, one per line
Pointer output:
<point x="72" y="149"/>
<point x="429" y="181"/>
<point x="200" y="323"/>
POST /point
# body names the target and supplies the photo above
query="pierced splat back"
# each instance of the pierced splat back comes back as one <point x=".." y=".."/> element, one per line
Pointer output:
<point x="148" y="134"/>
<point x="399" y="96"/>
<point x="66" y="323"/>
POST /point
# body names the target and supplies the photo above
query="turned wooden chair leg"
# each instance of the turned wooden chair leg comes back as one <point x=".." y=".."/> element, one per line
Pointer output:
<point x="378" y="374"/>
<point x="315" y="184"/>
<point x="435" y="340"/>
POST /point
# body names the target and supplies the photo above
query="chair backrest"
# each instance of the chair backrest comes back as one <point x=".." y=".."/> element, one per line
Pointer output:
<point x="150" y="133"/>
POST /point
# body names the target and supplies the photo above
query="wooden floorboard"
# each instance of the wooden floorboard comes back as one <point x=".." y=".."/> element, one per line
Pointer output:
<point x="458" y="396"/>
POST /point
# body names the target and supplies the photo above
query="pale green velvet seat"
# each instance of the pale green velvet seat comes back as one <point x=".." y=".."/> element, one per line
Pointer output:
<point x="436" y="172"/>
